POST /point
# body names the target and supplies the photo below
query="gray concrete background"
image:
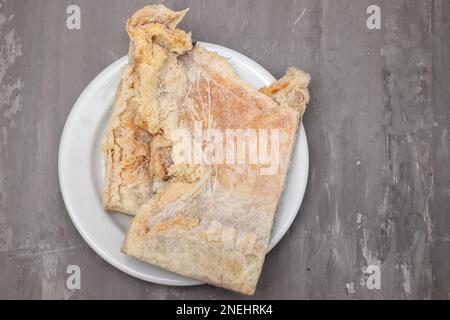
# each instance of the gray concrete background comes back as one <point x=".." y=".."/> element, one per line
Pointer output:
<point x="379" y="187"/>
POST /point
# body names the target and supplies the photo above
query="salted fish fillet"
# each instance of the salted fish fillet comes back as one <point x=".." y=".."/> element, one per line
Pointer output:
<point x="206" y="220"/>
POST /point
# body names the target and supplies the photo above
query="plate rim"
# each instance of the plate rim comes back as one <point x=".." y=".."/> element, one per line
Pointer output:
<point x="97" y="80"/>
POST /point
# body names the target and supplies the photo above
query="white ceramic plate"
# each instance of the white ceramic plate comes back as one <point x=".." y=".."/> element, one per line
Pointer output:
<point x="81" y="171"/>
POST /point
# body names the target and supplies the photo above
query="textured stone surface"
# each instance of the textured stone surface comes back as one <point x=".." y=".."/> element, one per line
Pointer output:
<point x="379" y="187"/>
